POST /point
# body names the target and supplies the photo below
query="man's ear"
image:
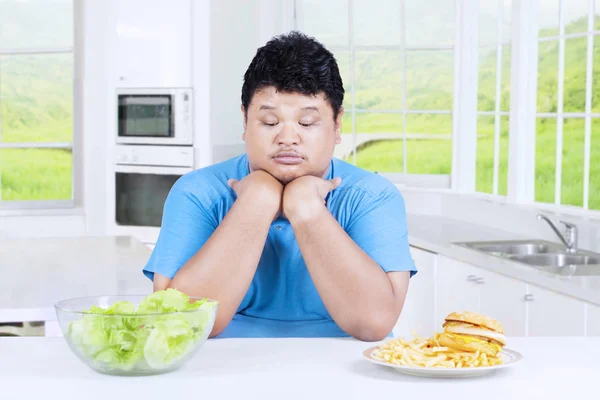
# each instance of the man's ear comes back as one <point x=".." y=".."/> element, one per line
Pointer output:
<point x="245" y="119"/>
<point x="338" y="126"/>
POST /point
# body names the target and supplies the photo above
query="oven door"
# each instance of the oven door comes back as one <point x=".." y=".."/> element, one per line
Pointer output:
<point x="140" y="194"/>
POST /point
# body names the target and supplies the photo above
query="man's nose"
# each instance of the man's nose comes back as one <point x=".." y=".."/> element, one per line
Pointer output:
<point x="288" y="135"/>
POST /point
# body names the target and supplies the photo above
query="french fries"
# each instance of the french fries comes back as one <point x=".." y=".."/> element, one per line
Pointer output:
<point x="427" y="352"/>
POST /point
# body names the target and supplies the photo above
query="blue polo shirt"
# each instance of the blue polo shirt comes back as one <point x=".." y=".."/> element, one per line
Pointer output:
<point x="282" y="300"/>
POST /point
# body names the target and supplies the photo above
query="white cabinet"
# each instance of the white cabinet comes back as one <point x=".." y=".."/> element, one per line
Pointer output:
<point x="503" y="298"/>
<point x="456" y="289"/>
<point x="444" y="285"/>
<point x="153" y="43"/>
<point x="418" y="311"/>
<point x="553" y="314"/>
<point x="593" y="320"/>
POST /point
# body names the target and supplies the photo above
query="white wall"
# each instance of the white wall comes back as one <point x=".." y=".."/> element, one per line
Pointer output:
<point x="233" y="44"/>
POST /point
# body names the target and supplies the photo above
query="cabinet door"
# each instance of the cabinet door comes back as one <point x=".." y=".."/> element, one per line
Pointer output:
<point x="553" y="314"/>
<point x="455" y="288"/>
<point x="593" y="320"/>
<point x="153" y="43"/>
<point x="503" y="299"/>
<point x="418" y="312"/>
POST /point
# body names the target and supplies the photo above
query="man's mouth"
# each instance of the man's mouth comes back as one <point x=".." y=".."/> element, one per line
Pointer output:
<point x="288" y="158"/>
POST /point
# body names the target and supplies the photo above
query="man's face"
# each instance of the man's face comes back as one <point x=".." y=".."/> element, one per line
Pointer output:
<point x="290" y="135"/>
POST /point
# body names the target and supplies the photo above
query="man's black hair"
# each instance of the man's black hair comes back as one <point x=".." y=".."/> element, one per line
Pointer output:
<point x="294" y="62"/>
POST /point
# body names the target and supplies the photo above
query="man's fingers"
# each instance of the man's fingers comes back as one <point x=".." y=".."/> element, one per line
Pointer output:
<point x="232" y="182"/>
<point x="335" y="182"/>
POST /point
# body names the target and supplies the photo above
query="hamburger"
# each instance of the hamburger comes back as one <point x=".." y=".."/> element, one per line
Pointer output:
<point x="472" y="332"/>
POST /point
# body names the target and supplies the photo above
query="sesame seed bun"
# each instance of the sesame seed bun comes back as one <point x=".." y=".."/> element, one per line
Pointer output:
<point x="476" y="319"/>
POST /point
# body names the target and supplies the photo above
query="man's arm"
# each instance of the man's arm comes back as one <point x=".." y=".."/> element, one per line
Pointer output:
<point x="224" y="266"/>
<point x="360" y="296"/>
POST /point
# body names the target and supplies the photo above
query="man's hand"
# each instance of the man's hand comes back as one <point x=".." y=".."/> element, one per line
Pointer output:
<point x="304" y="197"/>
<point x="261" y="187"/>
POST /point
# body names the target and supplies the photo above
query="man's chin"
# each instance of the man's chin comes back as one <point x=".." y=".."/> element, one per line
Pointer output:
<point x="285" y="179"/>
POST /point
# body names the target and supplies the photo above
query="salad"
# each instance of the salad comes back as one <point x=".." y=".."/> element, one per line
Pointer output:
<point x="164" y="328"/>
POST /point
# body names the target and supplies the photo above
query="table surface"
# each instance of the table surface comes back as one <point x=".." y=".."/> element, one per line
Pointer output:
<point x="291" y="369"/>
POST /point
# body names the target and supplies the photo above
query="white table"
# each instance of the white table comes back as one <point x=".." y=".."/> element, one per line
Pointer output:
<point x="38" y="272"/>
<point x="288" y="369"/>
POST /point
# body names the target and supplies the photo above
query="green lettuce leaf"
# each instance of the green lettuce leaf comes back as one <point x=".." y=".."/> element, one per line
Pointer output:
<point x="119" y="337"/>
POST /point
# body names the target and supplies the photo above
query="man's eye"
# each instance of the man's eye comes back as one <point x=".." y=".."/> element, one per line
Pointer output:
<point x="305" y="125"/>
<point x="270" y="124"/>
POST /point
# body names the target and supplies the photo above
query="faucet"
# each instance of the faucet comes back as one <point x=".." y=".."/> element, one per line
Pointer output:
<point x="570" y="237"/>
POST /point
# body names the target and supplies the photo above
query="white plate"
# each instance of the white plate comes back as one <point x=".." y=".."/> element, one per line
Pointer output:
<point x="510" y="358"/>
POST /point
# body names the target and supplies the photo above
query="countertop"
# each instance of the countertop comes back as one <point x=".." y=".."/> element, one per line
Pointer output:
<point x="34" y="368"/>
<point x="38" y="272"/>
<point x="439" y="235"/>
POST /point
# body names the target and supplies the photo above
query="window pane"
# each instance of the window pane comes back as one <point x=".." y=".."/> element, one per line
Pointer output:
<point x="572" y="162"/>
<point x="36" y="23"/>
<point x="575" y="14"/>
<point x="597" y="16"/>
<point x="369" y="127"/>
<point x="545" y="159"/>
<point x="379" y="123"/>
<point x="485" y="154"/>
<point x="429" y="156"/>
<point x="506" y="70"/>
<point x="488" y="21"/>
<point x="429" y="80"/>
<point x="486" y="98"/>
<point x="347" y="121"/>
<point x="36" y="93"/>
<point x="429" y="124"/>
<point x="327" y="21"/>
<point x="378" y="77"/>
<point x="596" y="74"/>
<point x="429" y="149"/>
<point x="437" y="15"/>
<point x="484" y="172"/>
<point x="594" y="185"/>
<point x="503" y="162"/>
<point x="377" y="22"/>
<point x="380" y="156"/>
<point x="574" y="83"/>
<point x="547" y="86"/>
<point x="35" y="174"/>
<point x="548" y="18"/>
<point x="343" y="61"/>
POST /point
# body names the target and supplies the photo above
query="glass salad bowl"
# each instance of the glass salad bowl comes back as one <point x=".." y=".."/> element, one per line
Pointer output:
<point x="136" y="334"/>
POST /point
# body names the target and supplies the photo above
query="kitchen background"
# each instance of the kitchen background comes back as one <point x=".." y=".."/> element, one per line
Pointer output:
<point x="484" y="113"/>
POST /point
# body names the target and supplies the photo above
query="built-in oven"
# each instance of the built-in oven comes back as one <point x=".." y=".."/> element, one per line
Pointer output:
<point x="155" y="116"/>
<point x="144" y="176"/>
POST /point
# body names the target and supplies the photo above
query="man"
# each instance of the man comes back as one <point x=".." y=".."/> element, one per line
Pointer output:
<point x="290" y="241"/>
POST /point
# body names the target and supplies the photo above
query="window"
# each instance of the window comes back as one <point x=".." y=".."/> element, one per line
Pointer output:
<point x="493" y="97"/>
<point x="36" y="103"/>
<point x="399" y="81"/>
<point x="567" y="171"/>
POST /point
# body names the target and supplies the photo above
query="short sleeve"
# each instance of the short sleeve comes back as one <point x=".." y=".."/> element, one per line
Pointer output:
<point x="186" y="226"/>
<point x="379" y="228"/>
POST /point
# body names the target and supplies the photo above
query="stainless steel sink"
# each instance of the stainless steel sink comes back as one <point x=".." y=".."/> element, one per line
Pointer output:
<point x="514" y="247"/>
<point x="548" y="256"/>
<point x="556" y="260"/>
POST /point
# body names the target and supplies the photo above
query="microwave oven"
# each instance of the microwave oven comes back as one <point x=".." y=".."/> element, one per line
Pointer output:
<point x="155" y="116"/>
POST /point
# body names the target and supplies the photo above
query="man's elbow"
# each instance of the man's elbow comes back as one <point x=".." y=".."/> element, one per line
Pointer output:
<point x="374" y="329"/>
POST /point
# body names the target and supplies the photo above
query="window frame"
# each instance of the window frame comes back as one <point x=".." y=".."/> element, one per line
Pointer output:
<point x="12" y="206"/>
<point x="440" y="181"/>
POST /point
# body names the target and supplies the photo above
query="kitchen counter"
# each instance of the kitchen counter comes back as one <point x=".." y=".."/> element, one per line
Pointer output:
<point x="298" y="369"/>
<point x="38" y="272"/>
<point x="438" y="235"/>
